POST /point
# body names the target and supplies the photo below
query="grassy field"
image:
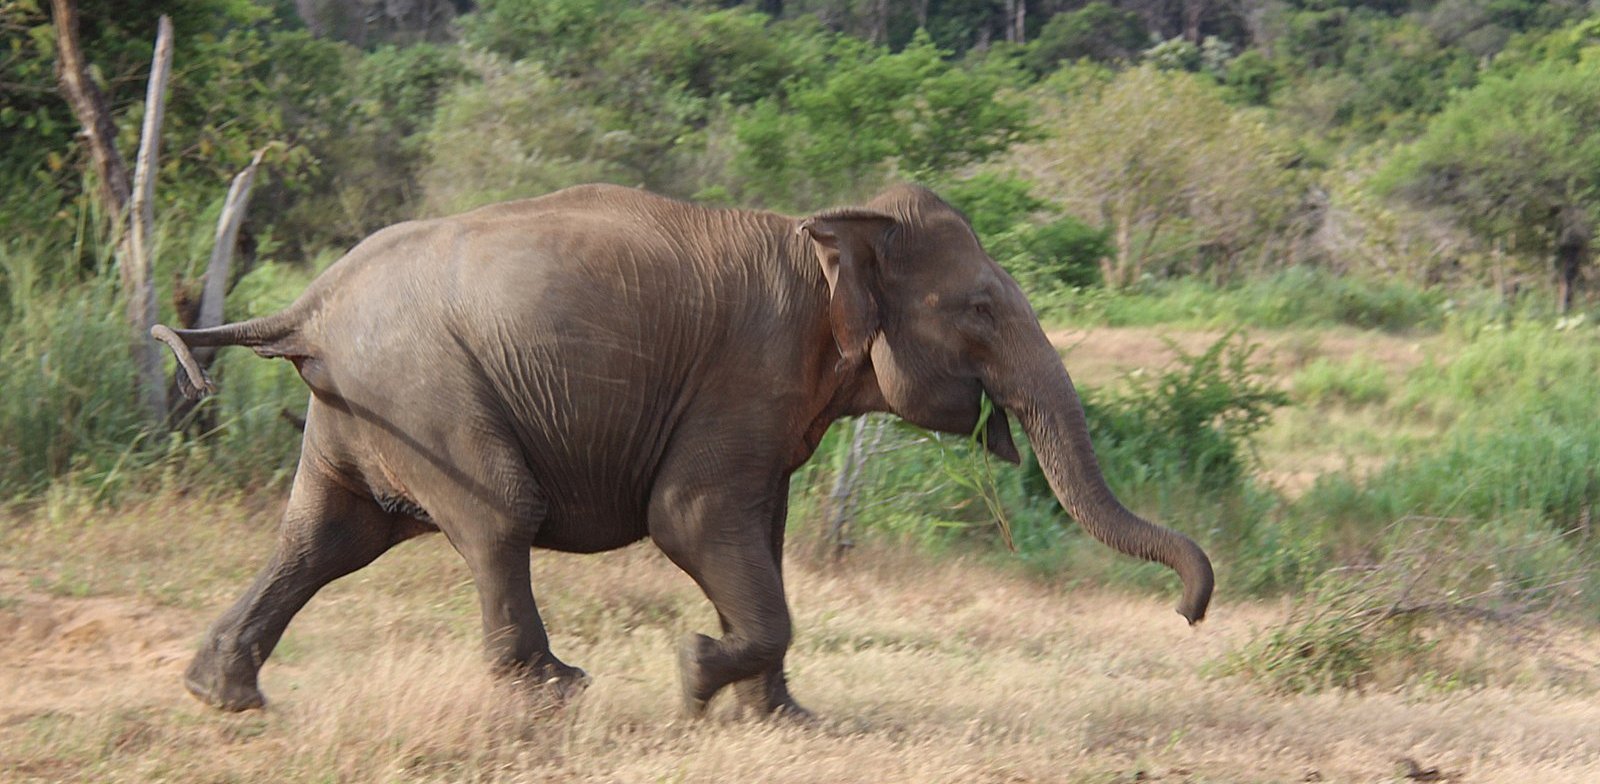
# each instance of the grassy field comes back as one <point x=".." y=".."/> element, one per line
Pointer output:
<point x="923" y="668"/>
<point x="922" y="671"/>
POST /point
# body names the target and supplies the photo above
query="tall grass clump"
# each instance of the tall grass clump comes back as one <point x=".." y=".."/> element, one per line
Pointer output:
<point x="253" y="440"/>
<point x="1515" y="475"/>
<point x="70" y="410"/>
<point x="1522" y="437"/>
<point x="66" y="371"/>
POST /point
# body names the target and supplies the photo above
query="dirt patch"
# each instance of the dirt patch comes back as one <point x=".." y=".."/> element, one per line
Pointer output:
<point x="1103" y="355"/>
<point x="61" y="652"/>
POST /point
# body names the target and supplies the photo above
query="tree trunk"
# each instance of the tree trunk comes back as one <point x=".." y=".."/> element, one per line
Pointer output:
<point x="847" y="485"/>
<point x="1117" y="273"/>
<point x="89" y="106"/>
<point x="1572" y="253"/>
<point x="1193" y="11"/>
<point x="128" y="206"/>
<point x="138" y="284"/>
<point x="218" y="275"/>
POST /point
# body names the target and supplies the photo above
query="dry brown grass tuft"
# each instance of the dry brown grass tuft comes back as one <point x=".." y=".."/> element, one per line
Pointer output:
<point x="922" y="670"/>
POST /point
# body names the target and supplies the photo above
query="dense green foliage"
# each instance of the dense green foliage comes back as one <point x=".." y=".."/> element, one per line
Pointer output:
<point x="1516" y="159"/>
<point x="1405" y="165"/>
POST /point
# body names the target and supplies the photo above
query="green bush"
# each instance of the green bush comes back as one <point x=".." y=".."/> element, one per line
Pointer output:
<point x="994" y="203"/>
<point x="1189" y="425"/>
<point x="1064" y="253"/>
<point x="1252" y="78"/>
<point x="1380" y="623"/>
<point x="1042" y="256"/>
<point x="1342" y="635"/>
<point x="515" y="133"/>
<point x="1097" y="31"/>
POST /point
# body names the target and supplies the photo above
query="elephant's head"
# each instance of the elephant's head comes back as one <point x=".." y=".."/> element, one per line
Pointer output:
<point x="917" y="302"/>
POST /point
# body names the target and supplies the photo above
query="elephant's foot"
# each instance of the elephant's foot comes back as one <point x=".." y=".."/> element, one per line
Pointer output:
<point x="223" y="681"/>
<point x="563" y="682"/>
<point x="696" y="692"/>
<point x="551" y="677"/>
<point x="789" y="713"/>
<point x="766" y="696"/>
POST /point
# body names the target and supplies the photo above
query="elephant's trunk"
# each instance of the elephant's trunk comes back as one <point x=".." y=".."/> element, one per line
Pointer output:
<point x="1048" y="407"/>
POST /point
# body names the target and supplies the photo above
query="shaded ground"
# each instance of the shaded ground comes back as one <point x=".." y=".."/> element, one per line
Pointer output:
<point x="922" y="670"/>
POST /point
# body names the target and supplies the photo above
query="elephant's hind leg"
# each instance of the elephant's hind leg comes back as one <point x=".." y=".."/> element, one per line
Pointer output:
<point x="327" y="532"/>
<point x="493" y="528"/>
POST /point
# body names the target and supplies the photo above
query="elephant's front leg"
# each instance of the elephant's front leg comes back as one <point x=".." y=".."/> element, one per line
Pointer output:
<point x="767" y="694"/>
<point x="718" y="529"/>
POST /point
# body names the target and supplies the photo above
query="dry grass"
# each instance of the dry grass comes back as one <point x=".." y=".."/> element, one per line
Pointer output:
<point x="923" y="671"/>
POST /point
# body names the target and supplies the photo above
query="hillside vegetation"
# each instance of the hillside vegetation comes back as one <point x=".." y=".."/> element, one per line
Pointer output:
<point x="1318" y="266"/>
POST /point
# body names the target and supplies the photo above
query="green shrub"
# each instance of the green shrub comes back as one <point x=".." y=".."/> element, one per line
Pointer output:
<point x="994" y="203"/>
<point x="1097" y="31"/>
<point x="518" y="132"/>
<point x="1251" y="78"/>
<point x="1191" y="424"/>
<point x="1042" y="256"/>
<point x="1342" y="635"/>
<point x="1064" y="253"/>
<point x="836" y="133"/>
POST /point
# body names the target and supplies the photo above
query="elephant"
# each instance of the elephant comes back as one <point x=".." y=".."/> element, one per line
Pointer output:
<point x="585" y="369"/>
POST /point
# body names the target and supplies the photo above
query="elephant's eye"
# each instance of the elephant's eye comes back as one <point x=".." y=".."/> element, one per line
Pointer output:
<point x="983" y="310"/>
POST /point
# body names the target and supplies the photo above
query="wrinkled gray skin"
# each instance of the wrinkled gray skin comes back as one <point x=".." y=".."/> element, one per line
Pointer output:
<point x="580" y="371"/>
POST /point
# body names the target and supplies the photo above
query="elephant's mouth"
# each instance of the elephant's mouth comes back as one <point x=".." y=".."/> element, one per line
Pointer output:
<point x="996" y="430"/>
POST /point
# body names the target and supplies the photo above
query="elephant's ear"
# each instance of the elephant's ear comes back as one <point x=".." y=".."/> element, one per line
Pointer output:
<point x="847" y="243"/>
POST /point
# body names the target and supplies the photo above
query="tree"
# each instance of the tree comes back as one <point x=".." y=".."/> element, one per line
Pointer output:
<point x="515" y="133"/>
<point x="834" y="135"/>
<point x="1516" y="159"/>
<point x="127" y="202"/>
<point x="1097" y="31"/>
<point x="1163" y="162"/>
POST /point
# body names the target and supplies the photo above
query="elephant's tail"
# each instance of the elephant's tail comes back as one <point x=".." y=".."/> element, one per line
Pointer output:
<point x="270" y="336"/>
